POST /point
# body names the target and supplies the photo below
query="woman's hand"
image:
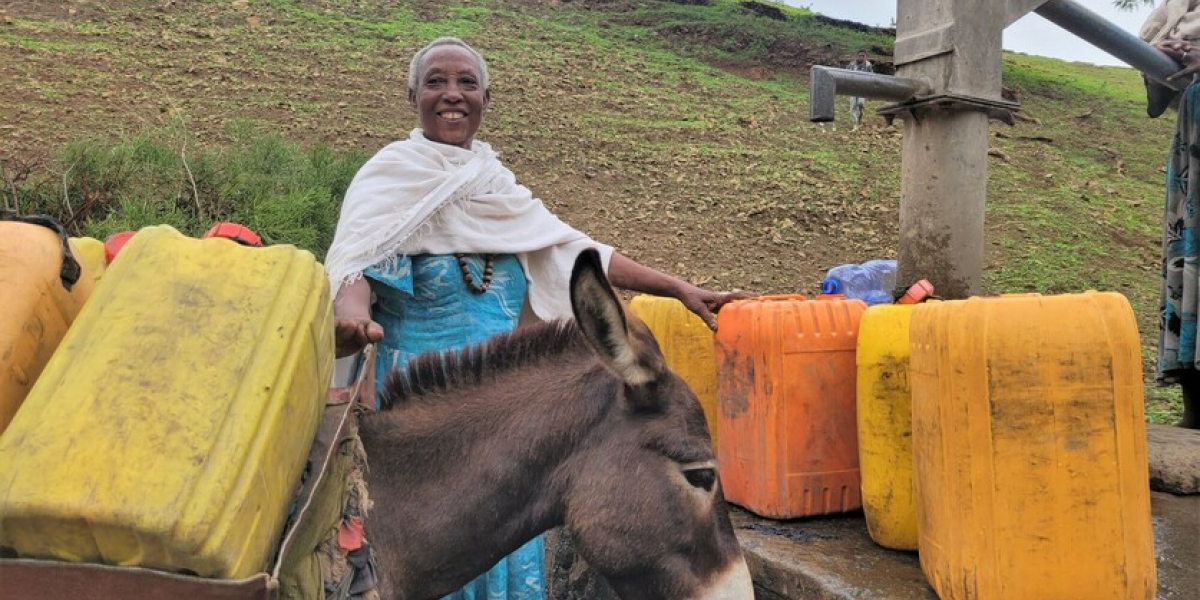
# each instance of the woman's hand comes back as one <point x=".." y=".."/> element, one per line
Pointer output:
<point x="353" y="327"/>
<point x="625" y="273"/>
<point x="706" y="303"/>
<point x="1191" y="61"/>
<point x="1184" y="53"/>
<point x="352" y="334"/>
<point x="1174" y="48"/>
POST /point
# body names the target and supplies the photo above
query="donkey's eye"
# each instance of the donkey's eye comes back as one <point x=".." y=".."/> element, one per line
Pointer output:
<point x="701" y="478"/>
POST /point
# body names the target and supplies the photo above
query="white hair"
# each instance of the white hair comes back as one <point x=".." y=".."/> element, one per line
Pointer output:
<point x="415" y="65"/>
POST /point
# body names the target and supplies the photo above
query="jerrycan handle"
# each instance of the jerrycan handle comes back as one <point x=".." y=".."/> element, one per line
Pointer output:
<point x="781" y="298"/>
<point x="71" y="271"/>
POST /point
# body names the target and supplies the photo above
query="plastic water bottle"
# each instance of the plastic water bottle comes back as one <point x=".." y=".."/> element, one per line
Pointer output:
<point x="872" y="281"/>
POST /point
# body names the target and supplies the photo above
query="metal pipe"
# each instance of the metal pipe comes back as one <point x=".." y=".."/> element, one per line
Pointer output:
<point x="1122" y="45"/>
<point x="825" y="83"/>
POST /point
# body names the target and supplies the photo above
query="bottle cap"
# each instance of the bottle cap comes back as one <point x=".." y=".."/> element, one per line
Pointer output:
<point x="831" y="286"/>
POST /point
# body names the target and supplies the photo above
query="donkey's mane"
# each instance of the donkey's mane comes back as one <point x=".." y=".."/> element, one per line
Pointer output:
<point x="431" y="372"/>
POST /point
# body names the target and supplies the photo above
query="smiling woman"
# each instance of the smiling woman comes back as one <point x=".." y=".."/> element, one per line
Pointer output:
<point x="439" y="247"/>
<point x="447" y="85"/>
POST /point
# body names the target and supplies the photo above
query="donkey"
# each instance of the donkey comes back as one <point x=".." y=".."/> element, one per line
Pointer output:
<point x="474" y="453"/>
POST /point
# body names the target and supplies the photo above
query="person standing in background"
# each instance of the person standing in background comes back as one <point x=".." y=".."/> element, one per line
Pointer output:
<point x="858" y="104"/>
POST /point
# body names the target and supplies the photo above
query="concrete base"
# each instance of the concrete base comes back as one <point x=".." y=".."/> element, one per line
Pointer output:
<point x="1174" y="455"/>
<point x="1177" y="545"/>
<point x="833" y="558"/>
<point x="828" y="558"/>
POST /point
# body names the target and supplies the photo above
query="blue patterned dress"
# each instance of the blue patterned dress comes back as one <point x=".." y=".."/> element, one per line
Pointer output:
<point x="1181" y="256"/>
<point x="423" y="304"/>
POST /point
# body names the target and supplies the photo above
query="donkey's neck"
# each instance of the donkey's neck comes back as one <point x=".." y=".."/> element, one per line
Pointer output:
<point x="467" y="466"/>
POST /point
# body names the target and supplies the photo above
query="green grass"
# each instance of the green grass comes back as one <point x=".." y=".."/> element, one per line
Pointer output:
<point x="1049" y="76"/>
<point x="722" y="30"/>
<point x="286" y="192"/>
<point x="397" y="25"/>
<point x="52" y="46"/>
<point x="1163" y="404"/>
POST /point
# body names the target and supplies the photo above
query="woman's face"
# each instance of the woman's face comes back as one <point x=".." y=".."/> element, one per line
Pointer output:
<point x="449" y="98"/>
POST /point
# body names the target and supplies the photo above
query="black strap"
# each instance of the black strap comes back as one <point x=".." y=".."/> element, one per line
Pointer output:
<point x="71" y="271"/>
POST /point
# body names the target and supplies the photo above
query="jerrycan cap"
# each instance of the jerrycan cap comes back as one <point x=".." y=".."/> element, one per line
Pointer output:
<point x="114" y="243"/>
<point x="917" y="292"/>
<point x="236" y="232"/>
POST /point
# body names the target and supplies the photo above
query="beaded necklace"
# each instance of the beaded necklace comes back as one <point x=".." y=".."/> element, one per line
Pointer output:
<point x="466" y="272"/>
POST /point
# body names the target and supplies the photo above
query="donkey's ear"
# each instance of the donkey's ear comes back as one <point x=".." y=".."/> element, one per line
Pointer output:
<point x="602" y="319"/>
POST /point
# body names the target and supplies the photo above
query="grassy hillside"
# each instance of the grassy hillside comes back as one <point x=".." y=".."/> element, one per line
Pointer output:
<point x="675" y="130"/>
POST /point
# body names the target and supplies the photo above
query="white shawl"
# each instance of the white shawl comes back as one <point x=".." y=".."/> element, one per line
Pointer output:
<point x="421" y="197"/>
<point x="1178" y="19"/>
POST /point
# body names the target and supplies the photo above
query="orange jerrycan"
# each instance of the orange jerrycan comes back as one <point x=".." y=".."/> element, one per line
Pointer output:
<point x="687" y="344"/>
<point x="42" y="288"/>
<point x="1029" y="448"/>
<point x="785" y="398"/>
<point x="885" y="426"/>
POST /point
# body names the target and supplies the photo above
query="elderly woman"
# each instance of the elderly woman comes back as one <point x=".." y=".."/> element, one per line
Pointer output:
<point x="1174" y="28"/>
<point x="438" y="246"/>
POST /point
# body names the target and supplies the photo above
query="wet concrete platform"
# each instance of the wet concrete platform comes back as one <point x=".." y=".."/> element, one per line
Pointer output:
<point x="833" y="558"/>
<point x="828" y="558"/>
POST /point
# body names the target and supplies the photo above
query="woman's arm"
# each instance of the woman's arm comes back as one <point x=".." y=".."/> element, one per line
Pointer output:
<point x="353" y="327"/>
<point x="624" y="273"/>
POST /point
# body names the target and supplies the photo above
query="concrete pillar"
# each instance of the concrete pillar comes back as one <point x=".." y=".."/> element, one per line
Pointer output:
<point x="942" y="198"/>
<point x="956" y="46"/>
<point x="949" y="61"/>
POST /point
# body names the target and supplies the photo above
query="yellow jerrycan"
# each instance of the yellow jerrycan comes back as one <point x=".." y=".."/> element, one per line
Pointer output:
<point x="1029" y="449"/>
<point x="884" y="408"/>
<point x="687" y="344"/>
<point x="171" y="427"/>
<point x="90" y="254"/>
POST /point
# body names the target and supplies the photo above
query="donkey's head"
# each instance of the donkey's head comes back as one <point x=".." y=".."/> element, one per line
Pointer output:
<point x="644" y="499"/>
